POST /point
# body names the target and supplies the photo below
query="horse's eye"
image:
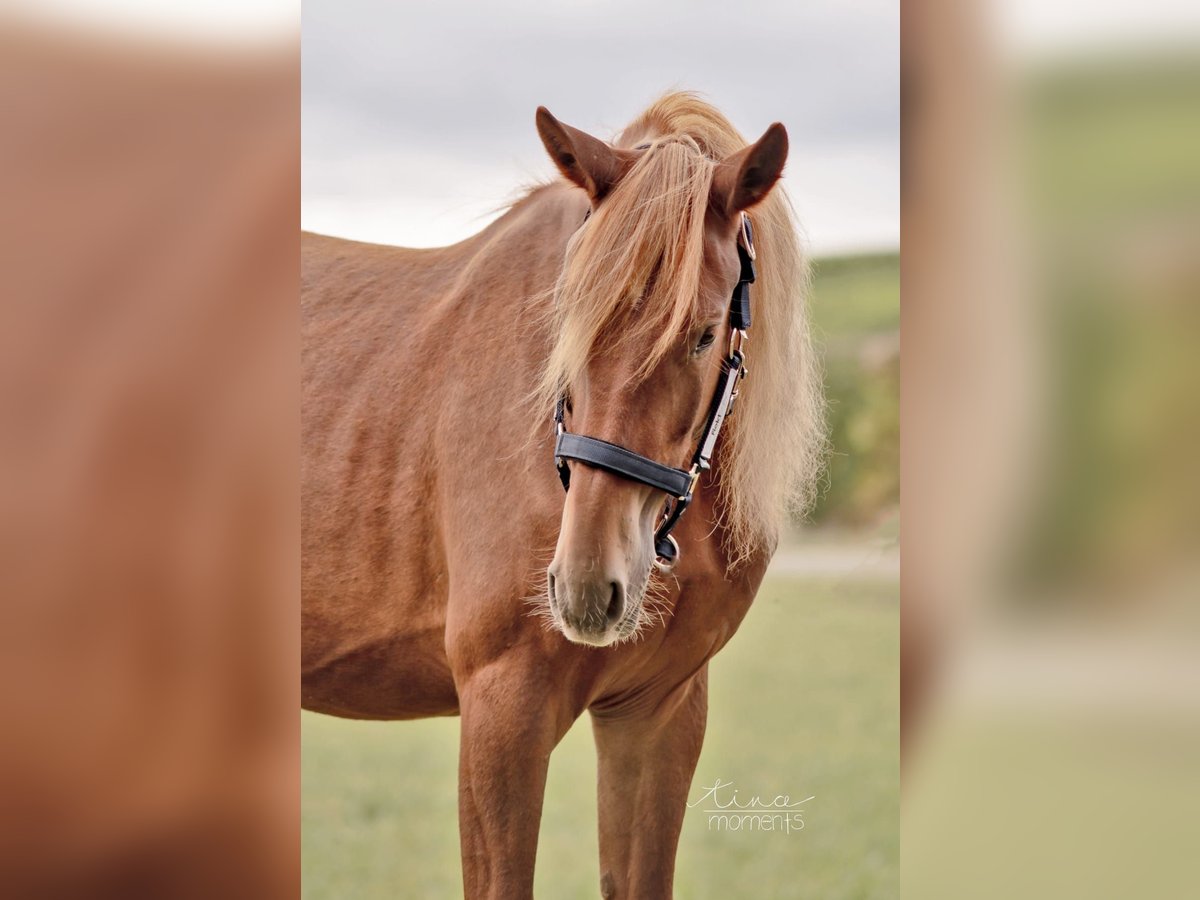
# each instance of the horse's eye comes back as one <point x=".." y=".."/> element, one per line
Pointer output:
<point x="706" y="340"/>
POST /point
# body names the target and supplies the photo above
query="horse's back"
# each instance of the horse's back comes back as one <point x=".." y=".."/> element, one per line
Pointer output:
<point x="359" y="327"/>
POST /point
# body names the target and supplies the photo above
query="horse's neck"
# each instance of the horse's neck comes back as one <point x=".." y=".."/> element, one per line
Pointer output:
<point x="523" y="249"/>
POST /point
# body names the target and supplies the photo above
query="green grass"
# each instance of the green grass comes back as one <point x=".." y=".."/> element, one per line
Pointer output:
<point x="1084" y="798"/>
<point x="854" y="297"/>
<point x="803" y="702"/>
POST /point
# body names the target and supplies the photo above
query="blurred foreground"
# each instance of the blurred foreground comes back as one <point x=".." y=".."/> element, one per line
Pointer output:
<point x="148" y="371"/>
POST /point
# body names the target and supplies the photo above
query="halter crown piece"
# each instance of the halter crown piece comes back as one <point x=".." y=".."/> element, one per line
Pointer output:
<point x="678" y="484"/>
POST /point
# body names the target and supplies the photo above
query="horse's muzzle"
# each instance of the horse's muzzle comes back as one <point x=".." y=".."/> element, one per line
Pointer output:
<point x="588" y="605"/>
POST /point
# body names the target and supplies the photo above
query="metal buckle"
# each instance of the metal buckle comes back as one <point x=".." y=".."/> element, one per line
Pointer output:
<point x="666" y="565"/>
<point x="747" y="240"/>
<point x="737" y="388"/>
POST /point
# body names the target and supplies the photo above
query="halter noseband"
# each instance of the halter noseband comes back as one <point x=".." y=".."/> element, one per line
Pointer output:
<point x="679" y="484"/>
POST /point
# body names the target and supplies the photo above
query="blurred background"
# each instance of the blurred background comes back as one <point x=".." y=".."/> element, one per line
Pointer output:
<point x="417" y="128"/>
<point x="1051" y="673"/>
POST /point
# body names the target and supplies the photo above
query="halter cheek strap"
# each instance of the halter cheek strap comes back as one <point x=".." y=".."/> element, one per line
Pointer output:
<point x="678" y="484"/>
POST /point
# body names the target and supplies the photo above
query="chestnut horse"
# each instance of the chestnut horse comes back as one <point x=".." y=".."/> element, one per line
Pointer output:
<point x="445" y="572"/>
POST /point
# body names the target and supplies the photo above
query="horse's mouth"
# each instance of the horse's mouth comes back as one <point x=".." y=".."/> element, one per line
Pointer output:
<point x="624" y="629"/>
<point x="606" y="638"/>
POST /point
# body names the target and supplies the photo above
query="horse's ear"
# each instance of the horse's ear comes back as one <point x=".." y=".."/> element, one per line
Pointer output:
<point x="746" y="177"/>
<point x="589" y="162"/>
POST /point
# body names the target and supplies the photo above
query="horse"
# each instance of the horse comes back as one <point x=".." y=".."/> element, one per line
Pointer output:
<point x="445" y="571"/>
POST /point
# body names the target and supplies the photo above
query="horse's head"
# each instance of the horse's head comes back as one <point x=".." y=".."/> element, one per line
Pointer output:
<point x="643" y="326"/>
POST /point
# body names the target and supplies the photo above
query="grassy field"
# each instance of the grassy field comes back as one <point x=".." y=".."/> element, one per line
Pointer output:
<point x="855" y="297"/>
<point x="803" y="702"/>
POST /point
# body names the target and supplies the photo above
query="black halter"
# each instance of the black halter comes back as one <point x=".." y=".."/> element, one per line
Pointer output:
<point x="679" y="484"/>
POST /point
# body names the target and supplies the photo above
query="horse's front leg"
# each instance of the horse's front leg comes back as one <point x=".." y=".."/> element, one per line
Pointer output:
<point x="509" y="728"/>
<point x="646" y="759"/>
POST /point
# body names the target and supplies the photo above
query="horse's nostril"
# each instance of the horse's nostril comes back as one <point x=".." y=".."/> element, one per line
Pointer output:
<point x="616" y="603"/>
<point x="550" y="588"/>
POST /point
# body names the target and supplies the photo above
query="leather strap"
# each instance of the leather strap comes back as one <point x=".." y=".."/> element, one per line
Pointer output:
<point x="731" y="374"/>
<point x="739" y="303"/>
<point x="619" y="461"/>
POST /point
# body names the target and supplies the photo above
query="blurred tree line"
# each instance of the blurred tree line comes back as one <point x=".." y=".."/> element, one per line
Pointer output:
<point x="856" y="316"/>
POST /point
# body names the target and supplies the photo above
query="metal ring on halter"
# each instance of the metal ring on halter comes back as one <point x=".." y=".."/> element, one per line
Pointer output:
<point x="666" y="565"/>
<point x="737" y="338"/>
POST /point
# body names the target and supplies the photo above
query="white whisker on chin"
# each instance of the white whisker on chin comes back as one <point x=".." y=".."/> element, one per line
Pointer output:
<point x="538" y="607"/>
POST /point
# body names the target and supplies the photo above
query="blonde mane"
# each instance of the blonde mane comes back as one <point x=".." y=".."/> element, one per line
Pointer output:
<point x="638" y="263"/>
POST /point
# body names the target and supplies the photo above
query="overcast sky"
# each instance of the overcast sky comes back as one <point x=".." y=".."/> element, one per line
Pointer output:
<point x="418" y="120"/>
